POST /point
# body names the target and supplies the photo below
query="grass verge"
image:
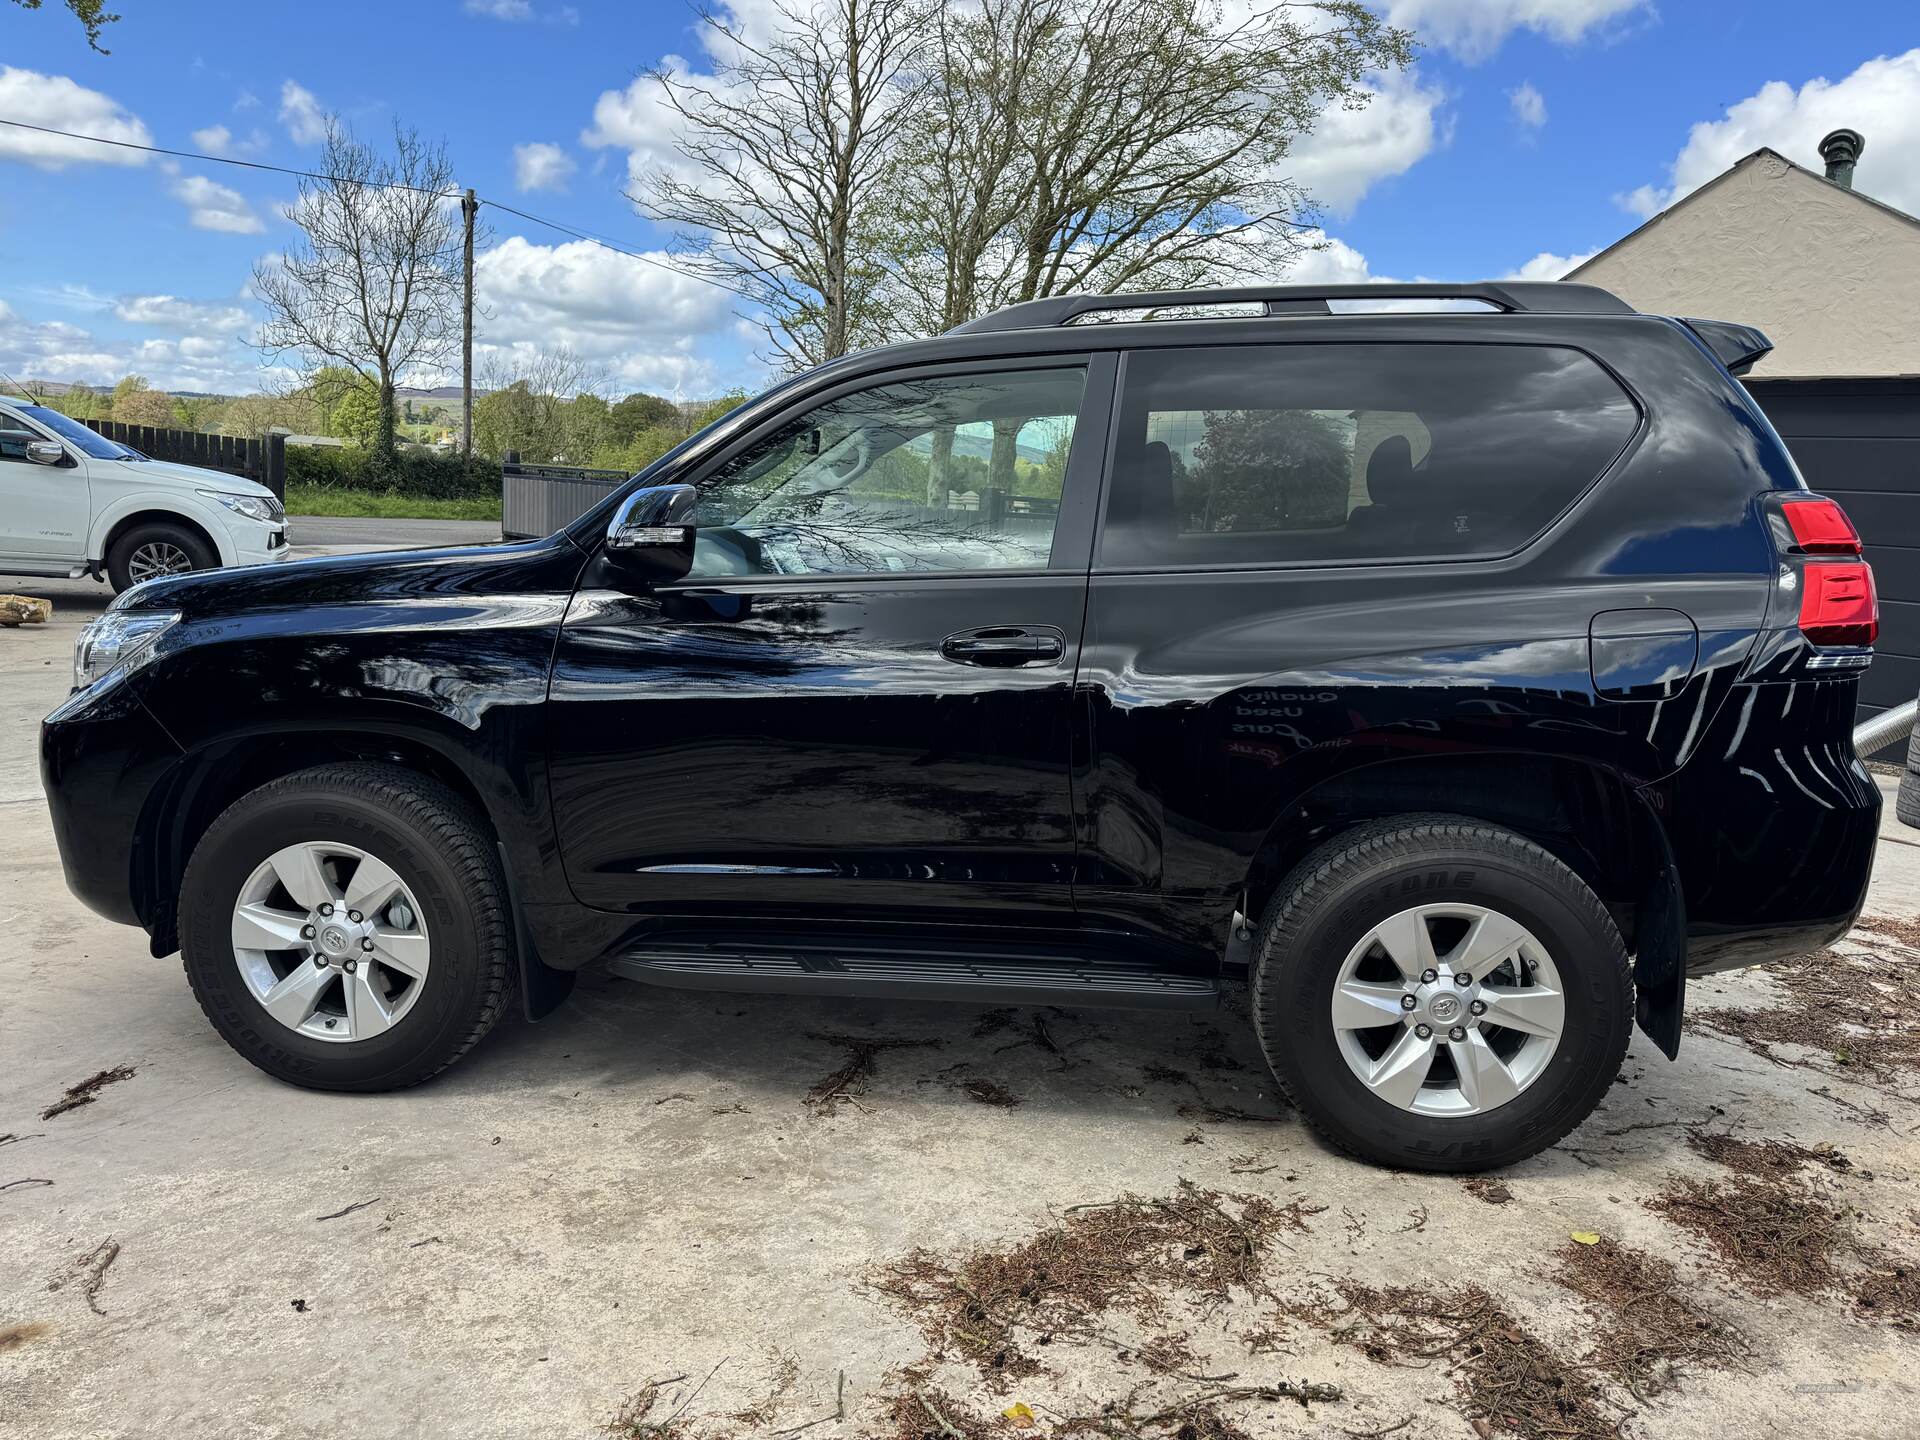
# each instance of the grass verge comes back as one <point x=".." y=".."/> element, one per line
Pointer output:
<point x="332" y="502"/>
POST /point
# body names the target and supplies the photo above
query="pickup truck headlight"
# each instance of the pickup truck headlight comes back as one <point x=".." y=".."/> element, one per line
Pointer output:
<point x="254" y="507"/>
<point x="120" y="640"/>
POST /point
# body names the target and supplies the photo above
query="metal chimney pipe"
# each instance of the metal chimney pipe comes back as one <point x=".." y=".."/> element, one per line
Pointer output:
<point x="1841" y="150"/>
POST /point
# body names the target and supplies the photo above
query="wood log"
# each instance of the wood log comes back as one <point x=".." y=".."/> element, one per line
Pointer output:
<point x="24" y="610"/>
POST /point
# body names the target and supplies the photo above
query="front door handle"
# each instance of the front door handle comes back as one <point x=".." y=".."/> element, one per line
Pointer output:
<point x="1005" y="646"/>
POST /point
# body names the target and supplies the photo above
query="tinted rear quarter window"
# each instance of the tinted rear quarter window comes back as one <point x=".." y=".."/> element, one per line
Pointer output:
<point x="1283" y="454"/>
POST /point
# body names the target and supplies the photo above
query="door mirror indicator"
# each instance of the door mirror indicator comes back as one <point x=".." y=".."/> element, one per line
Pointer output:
<point x="651" y="534"/>
<point x="46" y="452"/>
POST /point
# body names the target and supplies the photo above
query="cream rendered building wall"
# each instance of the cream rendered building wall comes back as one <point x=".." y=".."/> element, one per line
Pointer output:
<point x="1833" y="280"/>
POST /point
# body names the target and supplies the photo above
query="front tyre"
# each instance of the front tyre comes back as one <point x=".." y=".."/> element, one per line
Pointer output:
<point x="1438" y="994"/>
<point x="346" y="928"/>
<point x="157" y="548"/>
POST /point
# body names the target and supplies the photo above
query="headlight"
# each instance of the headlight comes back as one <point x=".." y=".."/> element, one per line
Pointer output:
<point x="254" y="507"/>
<point x="118" y="640"/>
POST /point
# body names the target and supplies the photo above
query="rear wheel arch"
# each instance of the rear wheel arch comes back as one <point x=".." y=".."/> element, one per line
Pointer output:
<point x="1554" y="801"/>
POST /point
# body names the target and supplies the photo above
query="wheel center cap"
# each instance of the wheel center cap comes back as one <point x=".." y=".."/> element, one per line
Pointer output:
<point x="334" y="940"/>
<point x="1445" y="1008"/>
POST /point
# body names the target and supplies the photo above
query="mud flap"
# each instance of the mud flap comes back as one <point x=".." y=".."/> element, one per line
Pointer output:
<point x="1660" y="968"/>
<point x="543" y="989"/>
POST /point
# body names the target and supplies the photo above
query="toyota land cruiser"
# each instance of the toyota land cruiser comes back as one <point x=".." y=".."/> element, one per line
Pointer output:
<point x="1485" y="652"/>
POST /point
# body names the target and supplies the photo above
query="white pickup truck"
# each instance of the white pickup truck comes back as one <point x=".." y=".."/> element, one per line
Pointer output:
<point x="73" y="502"/>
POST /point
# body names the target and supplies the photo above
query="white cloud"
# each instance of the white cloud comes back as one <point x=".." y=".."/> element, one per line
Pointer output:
<point x="1529" y="105"/>
<point x="214" y="206"/>
<point x="300" y="112"/>
<point x="639" y="120"/>
<point x="637" y="323"/>
<point x="219" y="140"/>
<point x="203" y="318"/>
<point x="500" y="9"/>
<point x="1881" y="100"/>
<point x="1332" y="262"/>
<point x="55" y="350"/>
<point x="541" y="166"/>
<point x="1548" y="266"/>
<point x="1350" y="151"/>
<point x="59" y="104"/>
<point x="1474" y="29"/>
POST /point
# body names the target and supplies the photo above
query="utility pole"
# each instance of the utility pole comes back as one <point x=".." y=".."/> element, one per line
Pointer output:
<point x="469" y="207"/>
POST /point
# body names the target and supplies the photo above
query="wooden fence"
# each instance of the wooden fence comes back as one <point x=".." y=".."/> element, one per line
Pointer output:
<point x="261" y="460"/>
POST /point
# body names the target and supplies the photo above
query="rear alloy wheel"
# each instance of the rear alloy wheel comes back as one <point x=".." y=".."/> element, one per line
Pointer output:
<point x="1436" y="993"/>
<point x="346" y="928"/>
<point x="1448" y="1009"/>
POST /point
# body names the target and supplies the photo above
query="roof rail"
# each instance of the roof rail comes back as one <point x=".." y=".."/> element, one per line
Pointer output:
<point x="1550" y="297"/>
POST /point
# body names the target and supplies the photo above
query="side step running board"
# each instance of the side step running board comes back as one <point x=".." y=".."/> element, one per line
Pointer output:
<point x="879" y="969"/>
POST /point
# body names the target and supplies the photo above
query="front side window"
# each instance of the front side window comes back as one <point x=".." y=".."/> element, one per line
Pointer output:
<point x="1254" y="455"/>
<point x="953" y="472"/>
<point x="89" y="442"/>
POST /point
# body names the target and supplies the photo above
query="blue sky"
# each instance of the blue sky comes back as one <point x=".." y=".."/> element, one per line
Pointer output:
<point x="1529" y="132"/>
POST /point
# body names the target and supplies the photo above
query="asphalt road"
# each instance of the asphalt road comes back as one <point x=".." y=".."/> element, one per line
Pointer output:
<point x="372" y="534"/>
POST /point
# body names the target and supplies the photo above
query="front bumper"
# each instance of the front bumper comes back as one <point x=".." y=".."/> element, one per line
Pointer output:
<point x="103" y="762"/>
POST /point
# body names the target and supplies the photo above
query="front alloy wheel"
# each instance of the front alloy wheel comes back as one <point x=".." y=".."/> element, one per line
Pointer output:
<point x="330" y="941"/>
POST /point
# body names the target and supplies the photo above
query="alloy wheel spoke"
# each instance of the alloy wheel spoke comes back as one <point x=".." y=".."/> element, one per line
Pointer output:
<point x="299" y="869"/>
<point x="367" y="1011"/>
<point x="1493" y="938"/>
<point x="373" y="887"/>
<point x="1407" y="943"/>
<point x="292" y="999"/>
<point x="1398" y="1074"/>
<point x="1360" y="1006"/>
<point x="1535" y="1009"/>
<point x="261" y="927"/>
<point x="402" y="950"/>
<point x="1485" y="1080"/>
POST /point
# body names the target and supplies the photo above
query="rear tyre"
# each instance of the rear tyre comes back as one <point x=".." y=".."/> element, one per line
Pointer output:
<point x="157" y="548"/>
<point x="1434" y="993"/>
<point x="346" y="928"/>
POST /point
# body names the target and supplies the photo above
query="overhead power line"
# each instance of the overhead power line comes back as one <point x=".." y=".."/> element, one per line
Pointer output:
<point x="555" y="225"/>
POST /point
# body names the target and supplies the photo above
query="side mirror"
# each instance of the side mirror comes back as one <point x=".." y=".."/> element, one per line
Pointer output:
<point x="46" y="452"/>
<point x="651" y="534"/>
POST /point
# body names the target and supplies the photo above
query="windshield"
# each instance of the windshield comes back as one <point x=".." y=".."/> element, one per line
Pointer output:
<point x="90" y="442"/>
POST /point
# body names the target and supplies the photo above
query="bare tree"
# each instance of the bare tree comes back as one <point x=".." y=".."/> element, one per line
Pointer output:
<point x="530" y="402"/>
<point x="374" y="281"/>
<point x="1107" y="145"/>
<point x="786" y="150"/>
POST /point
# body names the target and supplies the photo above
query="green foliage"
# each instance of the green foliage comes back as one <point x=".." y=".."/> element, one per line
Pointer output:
<point x="418" y="473"/>
<point x="317" y="500"/>
<point x="723" y="405"/>
<point x="92" y="15"/>
<point x="355" y="416"/>
<point x="640" y="411"/>
<point x="135" y="402"/>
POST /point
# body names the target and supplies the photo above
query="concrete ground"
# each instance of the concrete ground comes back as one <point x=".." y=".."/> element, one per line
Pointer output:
<point x="638" y="1189"/>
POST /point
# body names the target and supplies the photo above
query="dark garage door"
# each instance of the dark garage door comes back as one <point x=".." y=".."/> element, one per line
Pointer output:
<point x="1859" y="441"/>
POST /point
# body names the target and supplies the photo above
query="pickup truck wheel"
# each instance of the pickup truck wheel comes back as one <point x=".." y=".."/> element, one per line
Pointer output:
<point x="149" y="551"/>
<point x="346" y="928"/>
<point x="1439" y="994"/>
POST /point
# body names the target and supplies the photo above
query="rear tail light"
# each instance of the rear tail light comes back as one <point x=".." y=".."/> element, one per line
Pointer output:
<point x="1838" y="605"/>
<point x="1821" y="527"/>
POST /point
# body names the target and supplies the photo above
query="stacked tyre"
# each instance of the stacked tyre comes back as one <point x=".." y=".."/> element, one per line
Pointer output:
<point x="1907" y="803"/>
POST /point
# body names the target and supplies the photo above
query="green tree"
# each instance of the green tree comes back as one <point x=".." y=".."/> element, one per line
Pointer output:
<point x="136" y="402"/>
<point x="639" y="411"/>
<point x="92" y="14"/>
<point x="355" y="416"/>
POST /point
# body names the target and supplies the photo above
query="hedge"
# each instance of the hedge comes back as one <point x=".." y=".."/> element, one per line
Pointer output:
<point x="414" y="472"/>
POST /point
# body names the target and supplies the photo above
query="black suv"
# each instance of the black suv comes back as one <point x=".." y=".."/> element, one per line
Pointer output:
<point x="1484" y="651"/>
